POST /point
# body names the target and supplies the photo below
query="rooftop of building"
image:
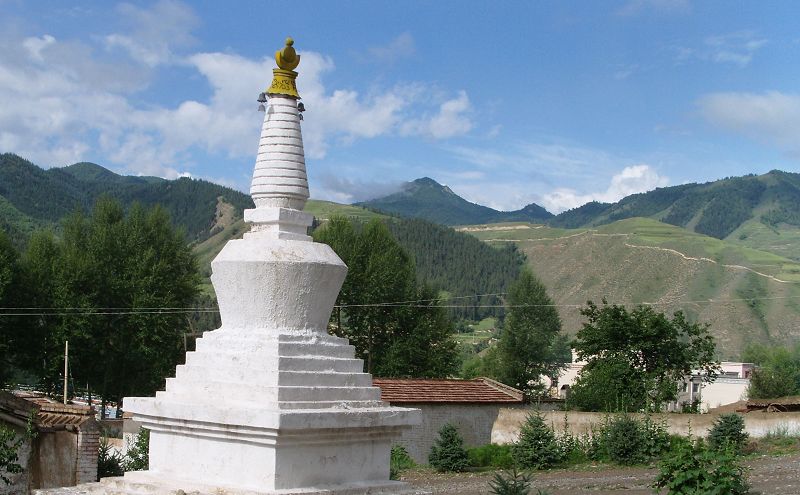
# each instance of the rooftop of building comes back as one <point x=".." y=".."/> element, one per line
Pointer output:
<point x="19" y="406"/>
<point x="422" y="391"/>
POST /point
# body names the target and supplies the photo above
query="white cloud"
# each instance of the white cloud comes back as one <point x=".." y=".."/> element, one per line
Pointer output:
<point x="772" y="117"/>
<point x="66" y="101"/>
<point x="451" y="120"/>
<point x="401" y="47"/>
<point x="155" y="32"/>
<point x="634" y="7"/>
<point x="737" y="48"/>
<point x="343" y="190"/>
<point x="631" y="180"/>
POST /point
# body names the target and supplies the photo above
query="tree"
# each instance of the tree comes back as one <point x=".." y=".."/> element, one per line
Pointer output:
<point x="392" y="339"/>
<point x="525" y="351"/>
<point x="636" y="359"/>
<point x="778" y="372"/>
<point x="537" y="447"/>
<point x="448" y="452"/>
<point x="9" y="277"/>
<point x="102" y="270"/>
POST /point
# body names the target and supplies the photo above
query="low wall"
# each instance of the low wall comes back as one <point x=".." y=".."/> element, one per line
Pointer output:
<point x="757" y="424"/>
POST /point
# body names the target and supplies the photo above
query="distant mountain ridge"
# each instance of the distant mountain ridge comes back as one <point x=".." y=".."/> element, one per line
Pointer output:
<point x="722" y="209"/>
<point x="427" y="199"/>
<point x="31" y="197"/>
<point x="716" y="208"/>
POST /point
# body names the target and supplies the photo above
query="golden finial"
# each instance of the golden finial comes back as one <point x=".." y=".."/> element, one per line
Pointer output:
<point x="283" y="78"/>
<point x="287" y="58"/>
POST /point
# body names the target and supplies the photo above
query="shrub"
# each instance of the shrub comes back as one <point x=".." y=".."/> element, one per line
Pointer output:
<point x="137" y="458"/>
<point x="511" y="483"/>
<point x="624" y="441"/>
<point x="399" y="461"/>
<point x="491" y="455"/>
<point x="447" y="453"/>
<point x="109" y="461"/>
<point x="728" y="433"/>
<point x="9" y="449"/>
<point x="537" y="447"/>
<point x="698" y="470"/>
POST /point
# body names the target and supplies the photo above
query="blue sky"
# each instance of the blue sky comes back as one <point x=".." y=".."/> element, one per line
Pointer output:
<point x="508" y="103"/>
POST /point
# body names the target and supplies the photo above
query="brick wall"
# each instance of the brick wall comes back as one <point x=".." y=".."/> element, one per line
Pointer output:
<point x="474" y="423"/>
<point x="86" y="458"/>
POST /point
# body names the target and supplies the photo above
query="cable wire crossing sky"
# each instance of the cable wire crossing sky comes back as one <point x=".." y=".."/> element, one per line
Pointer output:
<point x="507" y="103"/>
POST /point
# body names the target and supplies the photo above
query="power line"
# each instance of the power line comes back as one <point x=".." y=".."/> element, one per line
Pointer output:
<point x="398" y="304"/>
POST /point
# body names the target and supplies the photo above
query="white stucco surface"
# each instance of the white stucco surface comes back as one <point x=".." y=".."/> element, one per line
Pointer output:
<point x="270" y="403"/>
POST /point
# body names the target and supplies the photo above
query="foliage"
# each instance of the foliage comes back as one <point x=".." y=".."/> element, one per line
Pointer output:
<point x="511" y="483"/>
<point x="50" y="195"/>
<point x="627" y="440"/>
<point x="10" y="444"/>
<point x="399" y="461"/>
<point x="108" y="260"/>
<point x="647" y="350"/>
<point x="525" y="350"/>
<point x="109" y="461"/>
<point x="536" y="447"/>
<point x="728" y="433"/>
<point x="460" y="264"/>
<point x="491" y="455"/>
<point x="778" y="372"/>
<point x="393" y="340"/>
<point x="698" y="470"/>
<point x="9" y="281"/>
<point x="715" y="209"/>
<point x="137" y="456"/>
<point x="448" y="453"/>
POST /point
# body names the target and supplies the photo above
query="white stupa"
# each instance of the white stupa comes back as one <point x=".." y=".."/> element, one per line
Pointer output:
<point x="270" y="403"/>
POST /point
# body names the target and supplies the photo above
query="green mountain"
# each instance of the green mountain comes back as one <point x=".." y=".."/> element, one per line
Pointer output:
<point x="425" y="198"/>
<point x="31" y="197"/>
<point x="746" y="295"/>
<point x="721" y="209"/>
<point x="452" y="262"/>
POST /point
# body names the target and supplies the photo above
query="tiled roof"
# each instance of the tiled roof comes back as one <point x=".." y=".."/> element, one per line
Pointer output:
<point x="49" y="413"/>
<point x="419" y="391"/>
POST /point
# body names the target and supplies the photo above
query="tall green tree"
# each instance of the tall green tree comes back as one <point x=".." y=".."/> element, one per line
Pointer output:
<point x="392" y="339"/>
<point x="635" y="359"/>
<point x="525" y="352"/>
<point x="9" y="279"/>
<point x="778" y="372"/>
<point x="110" y="273"/>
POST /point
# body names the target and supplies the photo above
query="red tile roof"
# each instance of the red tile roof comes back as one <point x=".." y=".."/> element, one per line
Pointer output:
<point x="50" y="415"/>
<point x="420" y="391"/>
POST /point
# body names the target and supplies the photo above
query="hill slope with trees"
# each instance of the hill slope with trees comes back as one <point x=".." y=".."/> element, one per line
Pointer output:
<point x="32" y="197"/>
<point x="427" y="199"/>
<point x="717" y="209"/>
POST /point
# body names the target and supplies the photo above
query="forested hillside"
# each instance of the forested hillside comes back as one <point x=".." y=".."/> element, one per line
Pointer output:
<point x="460" y="264"/>
<point x="427" y="199"/>
<point x="450" y="261"/>
<point x="32" y="197"/>
<point x="715" y="209"/>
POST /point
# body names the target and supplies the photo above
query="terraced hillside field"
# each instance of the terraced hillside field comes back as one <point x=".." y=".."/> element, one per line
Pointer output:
<point x="747" y="295"/>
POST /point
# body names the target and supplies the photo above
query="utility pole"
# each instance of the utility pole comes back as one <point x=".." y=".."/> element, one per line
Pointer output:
<point x="66" y="368"/>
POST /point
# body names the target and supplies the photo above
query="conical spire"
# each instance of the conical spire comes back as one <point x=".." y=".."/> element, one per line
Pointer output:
<point x="279" y="179"/>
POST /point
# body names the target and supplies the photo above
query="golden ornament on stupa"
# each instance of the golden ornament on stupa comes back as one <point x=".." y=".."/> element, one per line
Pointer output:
<point x="283" y="78"/>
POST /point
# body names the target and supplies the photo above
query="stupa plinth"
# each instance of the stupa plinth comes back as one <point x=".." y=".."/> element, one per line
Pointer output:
<point x="270" y="403"/>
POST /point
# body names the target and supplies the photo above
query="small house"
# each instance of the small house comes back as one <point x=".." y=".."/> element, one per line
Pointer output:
<point x="471" y="406"/>
<point x="62" y="450"/>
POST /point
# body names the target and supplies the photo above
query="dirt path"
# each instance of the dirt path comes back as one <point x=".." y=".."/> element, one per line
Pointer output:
<point x="768" y="476"/>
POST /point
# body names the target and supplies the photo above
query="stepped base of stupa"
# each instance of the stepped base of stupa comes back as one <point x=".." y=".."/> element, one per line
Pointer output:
<point x="144" y="483"/>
